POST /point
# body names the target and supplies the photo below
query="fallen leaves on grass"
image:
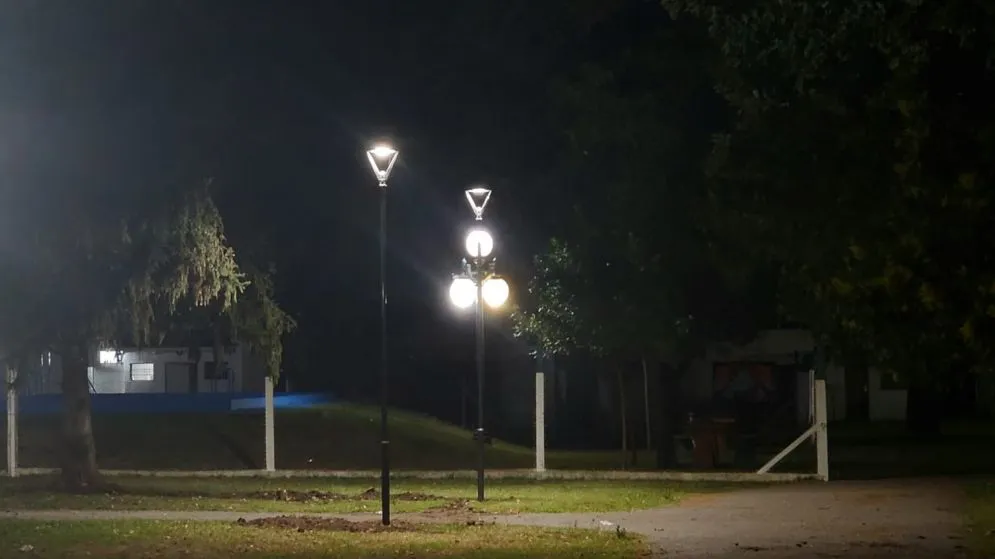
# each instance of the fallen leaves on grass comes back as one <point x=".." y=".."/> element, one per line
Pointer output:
<point x="371" y="494"/>
<point x="294" y="496"/>
<point x="317" y="523"/>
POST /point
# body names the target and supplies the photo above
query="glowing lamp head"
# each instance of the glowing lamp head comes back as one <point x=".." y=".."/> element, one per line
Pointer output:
<point x="383" y="151"/>
<point x="479" y="243"/>
<point x="462" y="292"/>
<point x="382" y="158"/>
<point x="495" y="292"/>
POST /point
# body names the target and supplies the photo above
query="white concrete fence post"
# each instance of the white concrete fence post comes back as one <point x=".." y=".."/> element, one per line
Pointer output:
<point x="11" y="378"/>
<point x="811" y="400"/>
<point x="819" y="429"/>
<point x="540" y="422"/>
<point x="822" y="434"/>
<point x="270" y="427"/>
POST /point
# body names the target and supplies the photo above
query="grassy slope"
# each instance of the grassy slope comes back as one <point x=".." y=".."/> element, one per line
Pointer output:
<point x="334" y="437"/>
<point x="347" y="437"/>
<point x="209" y="540"/>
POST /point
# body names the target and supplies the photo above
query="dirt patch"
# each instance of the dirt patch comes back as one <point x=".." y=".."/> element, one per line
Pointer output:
<point x="316" y="524"/>
<point x="458" y="511"/>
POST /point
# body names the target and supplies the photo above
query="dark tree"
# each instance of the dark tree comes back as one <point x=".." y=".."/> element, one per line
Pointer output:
<point x="632" y="277"/>
<point x="860" y="164"/>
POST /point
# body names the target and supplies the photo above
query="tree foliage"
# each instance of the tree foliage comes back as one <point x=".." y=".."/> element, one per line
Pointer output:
<point x="259" y="321"/>
<point x="860" y="163"/>
<point x="92" y="274"/>
<point x="551" y="319"/>
<point x="631" y="274"/>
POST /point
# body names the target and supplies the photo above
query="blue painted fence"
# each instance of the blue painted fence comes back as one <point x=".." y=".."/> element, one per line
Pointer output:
<point x="46" y="404"/>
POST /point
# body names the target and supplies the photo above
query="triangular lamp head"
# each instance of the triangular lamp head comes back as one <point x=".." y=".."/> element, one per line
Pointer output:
<point x="478" y="198"/>
<point x="382" y="158"/>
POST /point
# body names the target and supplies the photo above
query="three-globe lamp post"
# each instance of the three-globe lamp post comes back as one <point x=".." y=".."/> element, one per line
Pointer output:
<point x="382" y="158"/>
<point x="477" y="285"/>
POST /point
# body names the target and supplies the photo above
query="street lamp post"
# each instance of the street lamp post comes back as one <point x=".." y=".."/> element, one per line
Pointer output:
<point x="476" y="285"/>
<point x="382" y="159"/>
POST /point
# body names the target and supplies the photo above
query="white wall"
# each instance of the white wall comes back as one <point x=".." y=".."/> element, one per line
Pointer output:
<point x="116" y="378"/>
<point x="884" y="404"/>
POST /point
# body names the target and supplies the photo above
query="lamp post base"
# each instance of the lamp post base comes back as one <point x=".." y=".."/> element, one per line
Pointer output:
<point x="481" y="447"/>
<point x="385" y="482"/>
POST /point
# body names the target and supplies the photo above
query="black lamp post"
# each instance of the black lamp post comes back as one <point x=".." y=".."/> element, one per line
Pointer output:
<point x="476" y="285"/>
<point x="382" y="159"/>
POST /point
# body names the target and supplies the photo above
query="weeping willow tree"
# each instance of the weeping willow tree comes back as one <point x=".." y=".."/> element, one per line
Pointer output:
<point x="90" y="276"/>
<point x="259" y="322"/>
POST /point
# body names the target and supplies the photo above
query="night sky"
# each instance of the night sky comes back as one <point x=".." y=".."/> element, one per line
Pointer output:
<point x="277" y="101"/>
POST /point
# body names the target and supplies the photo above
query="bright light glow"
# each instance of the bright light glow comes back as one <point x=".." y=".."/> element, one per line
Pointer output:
<point x="107" y="357"/>
<point x="463" y="293"/>
<point x="495" y="291"/>
<point x="383" y="151"/>
<point x="478" y="198"/>
<point x="382" y="158"/>
<point x="479" y="243"/>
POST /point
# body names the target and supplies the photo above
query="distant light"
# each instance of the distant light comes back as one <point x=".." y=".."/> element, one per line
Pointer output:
<point x="107" y="357"/>
<point x="479" y="243"/>
<point x="495" y="292"/>
<point x="463" y="292"/>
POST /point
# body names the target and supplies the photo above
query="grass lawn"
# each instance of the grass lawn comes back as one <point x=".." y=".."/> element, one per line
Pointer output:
<point x="150" y="539"/>
<point x="981" y="517"/>
<point x="312" y="495"/>
<point x="334" y="437"/>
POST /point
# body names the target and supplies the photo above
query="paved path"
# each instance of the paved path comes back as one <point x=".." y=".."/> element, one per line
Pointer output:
<point x="914" y="519"/>
<point x="910" y="519"/>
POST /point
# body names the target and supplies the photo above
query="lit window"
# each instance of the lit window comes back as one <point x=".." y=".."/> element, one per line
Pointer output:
<point x="142" y="372"/>
<point x="107" y="357"/>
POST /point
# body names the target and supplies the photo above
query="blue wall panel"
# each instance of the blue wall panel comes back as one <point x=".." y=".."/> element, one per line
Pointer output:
<point x="172" y="403"/>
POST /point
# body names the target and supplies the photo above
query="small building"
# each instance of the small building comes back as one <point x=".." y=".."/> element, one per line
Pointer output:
<point x="169" y="370"/>
<point x="772" y="371"/>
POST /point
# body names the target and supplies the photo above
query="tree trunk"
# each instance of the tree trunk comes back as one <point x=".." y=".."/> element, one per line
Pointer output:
<point x="646" y="405"/>
<point x="634" y="450"/>
<point x="923" y="408"/>
<point x="666" y="456"/>
<point x="79" y="456"/>
<point x="624" y="414"/>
